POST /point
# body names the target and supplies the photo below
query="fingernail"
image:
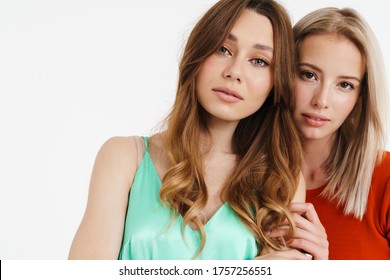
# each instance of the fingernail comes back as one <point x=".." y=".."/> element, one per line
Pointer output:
<point x="309" y="256"/>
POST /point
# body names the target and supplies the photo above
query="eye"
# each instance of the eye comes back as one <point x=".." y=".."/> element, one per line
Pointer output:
<point x="306" y="75"/>
<point x="224" y="51"/>
<point x="347" y="86"/>
<point x="259" y="62"/>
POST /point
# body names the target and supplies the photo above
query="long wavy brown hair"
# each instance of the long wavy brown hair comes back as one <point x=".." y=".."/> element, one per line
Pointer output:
<point x="266" y="178"/>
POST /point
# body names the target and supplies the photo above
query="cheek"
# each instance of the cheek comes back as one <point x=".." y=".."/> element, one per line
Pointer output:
<point x="201" y="77"/>
<point x="208" y="66"/>
<point x="346" y="106"/>
<point x="206" y="70"/>
<point x="262" y="84"/>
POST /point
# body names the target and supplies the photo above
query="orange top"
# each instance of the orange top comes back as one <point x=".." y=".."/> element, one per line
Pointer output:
<point x="350" y="238"/>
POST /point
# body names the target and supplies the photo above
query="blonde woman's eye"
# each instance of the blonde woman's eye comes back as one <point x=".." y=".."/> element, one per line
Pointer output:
<point x="308" y="75"/>
<point x="346" y="85"/>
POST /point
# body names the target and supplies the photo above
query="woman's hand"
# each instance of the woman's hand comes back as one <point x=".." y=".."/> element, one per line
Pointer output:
<point x="288" y="254"/>
<point x="310" y="236"/>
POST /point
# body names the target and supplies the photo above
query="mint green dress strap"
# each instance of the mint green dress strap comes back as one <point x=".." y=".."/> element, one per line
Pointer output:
<point x="151" y="234"/>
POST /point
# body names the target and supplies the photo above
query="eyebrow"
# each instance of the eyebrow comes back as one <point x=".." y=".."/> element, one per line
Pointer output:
<point x="319" y="70"/>
<point x="233" y="38"/>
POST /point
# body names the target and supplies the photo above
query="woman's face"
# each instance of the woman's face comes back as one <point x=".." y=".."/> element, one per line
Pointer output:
<point x="330" y="72"/>
<point x="234" y="82"/>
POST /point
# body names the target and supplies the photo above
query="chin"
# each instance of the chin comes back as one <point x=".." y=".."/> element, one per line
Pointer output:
<point x="314" y="135"/>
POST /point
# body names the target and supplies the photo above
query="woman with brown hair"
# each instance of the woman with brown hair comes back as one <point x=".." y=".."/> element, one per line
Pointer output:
<point x="224" y="171"/>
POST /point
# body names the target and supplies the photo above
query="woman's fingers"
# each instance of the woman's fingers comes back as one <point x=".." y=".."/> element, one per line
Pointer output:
<point x="317" y="250"/>
<point x="288" y="254"/>
<point x="307" y="210"/>
<point x="316" y="229"/>
<point x="310" y="235"/>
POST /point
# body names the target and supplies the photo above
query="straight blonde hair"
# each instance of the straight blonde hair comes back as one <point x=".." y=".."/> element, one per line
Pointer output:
<point x="360" y="141"/>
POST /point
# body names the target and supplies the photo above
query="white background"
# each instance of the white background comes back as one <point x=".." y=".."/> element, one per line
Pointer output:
<point x="74" y="73"/>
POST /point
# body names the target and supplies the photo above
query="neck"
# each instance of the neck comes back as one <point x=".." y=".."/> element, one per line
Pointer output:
<point x="315" y="153"/>
<point x="221" y="137"/>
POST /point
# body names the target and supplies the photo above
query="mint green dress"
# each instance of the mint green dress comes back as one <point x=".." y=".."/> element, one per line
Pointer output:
<point x="150" y="234"/>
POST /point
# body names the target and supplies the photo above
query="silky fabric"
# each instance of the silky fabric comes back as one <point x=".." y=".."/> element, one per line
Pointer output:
<point x="151" y="234"/>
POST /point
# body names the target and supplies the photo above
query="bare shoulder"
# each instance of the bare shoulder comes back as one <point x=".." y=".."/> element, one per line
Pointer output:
<point x="121" y="147"/>
<point x="158" y="154"/>
<point x="100" y="233"/>
<point x="116" y="163"/>
<point x="121" y="153"/>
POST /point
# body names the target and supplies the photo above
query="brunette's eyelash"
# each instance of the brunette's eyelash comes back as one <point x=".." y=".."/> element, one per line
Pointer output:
<point x="260" y="62"/>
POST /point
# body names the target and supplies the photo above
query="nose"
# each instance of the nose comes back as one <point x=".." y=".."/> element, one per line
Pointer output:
<point x="321" y="97"/>
<point x="233" y="71"/>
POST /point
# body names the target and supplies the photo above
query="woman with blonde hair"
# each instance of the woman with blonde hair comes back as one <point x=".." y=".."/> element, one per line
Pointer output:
<point x="225" y="169"/>
<point x="340" y="96"/>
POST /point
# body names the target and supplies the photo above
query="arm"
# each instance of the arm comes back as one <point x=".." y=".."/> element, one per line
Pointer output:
<point x="99" y="235"/>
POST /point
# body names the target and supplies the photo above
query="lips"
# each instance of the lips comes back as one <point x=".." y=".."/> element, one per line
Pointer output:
<point x="233" y="95"/>
<point x="315" y="119"/>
